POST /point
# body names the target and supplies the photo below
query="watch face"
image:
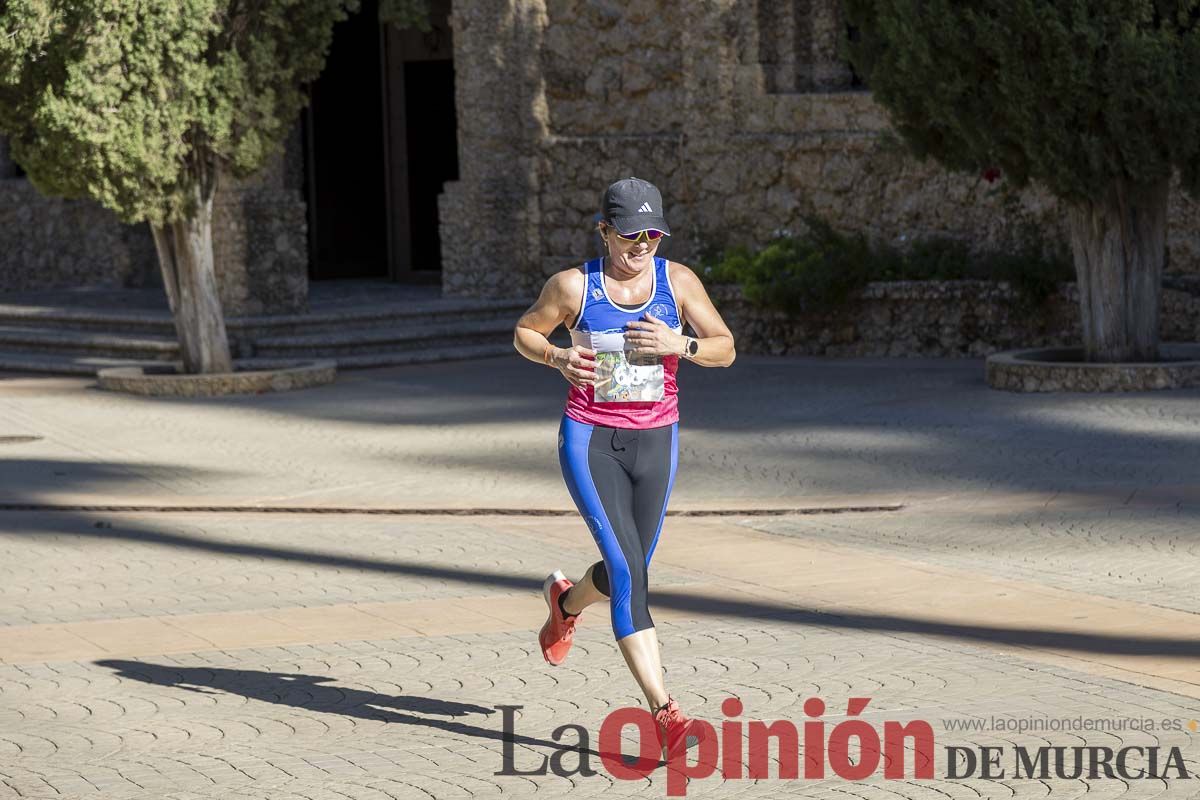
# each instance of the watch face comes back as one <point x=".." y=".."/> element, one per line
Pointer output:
<point x="693" y="346"/>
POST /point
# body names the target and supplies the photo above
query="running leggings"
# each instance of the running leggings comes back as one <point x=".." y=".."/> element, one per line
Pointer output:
<point x="620" y="480"/>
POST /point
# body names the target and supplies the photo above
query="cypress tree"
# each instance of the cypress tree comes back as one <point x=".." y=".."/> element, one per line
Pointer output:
<point x="1095" y="100"/>
<point x="140" y="105"/>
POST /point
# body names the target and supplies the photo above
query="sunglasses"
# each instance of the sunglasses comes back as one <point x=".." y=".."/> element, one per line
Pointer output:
<point x="651" y="235"/>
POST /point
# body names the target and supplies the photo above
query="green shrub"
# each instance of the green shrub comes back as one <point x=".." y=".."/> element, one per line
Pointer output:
<point x="818" y="269"/>
<point x="823" y="269"/>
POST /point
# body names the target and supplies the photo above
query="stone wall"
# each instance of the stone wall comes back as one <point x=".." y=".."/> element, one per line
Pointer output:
<point x="260" y="238"/>
<point x="932" y="319"/>
<point x="737" y="109"/>
<point x="612" y="69"/>
<point x="259" y="241"/>
<point x="575" y="173"/>
<point x="798" y="46"/>
<point x="611" y="112"/>
<point x="490" y="218"/>
<point x="50" y="243"/>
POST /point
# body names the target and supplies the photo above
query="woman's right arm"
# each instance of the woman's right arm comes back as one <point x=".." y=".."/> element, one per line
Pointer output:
<point x="557" y="301"/>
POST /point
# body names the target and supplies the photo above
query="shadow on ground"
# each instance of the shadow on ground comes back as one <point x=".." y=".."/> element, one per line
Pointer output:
<point x="318" y="693"/>
<point x="796" y="425"/>
<point x="1039" y="637"/>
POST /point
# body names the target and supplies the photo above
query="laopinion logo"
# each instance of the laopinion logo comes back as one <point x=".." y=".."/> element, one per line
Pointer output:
<point x="740" y="749"/>
<point x="851" y="749"/>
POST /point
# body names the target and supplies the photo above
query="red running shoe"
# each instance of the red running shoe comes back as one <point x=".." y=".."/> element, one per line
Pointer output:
<point x="558" y="633"/>
<point x="675" y="729"/>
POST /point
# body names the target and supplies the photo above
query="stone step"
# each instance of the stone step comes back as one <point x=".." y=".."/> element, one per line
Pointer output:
<point x="387" y="340"/>
<point x="67" y="340"/>
<point x="75" y="319"/>
<point x="88" y="343"/>
<point x="440" y="311"/>
<point x="398" y="357"/>
<point x="65" y="364"/>
<point x="88" y="365"/>
<point x="160" y="323"/>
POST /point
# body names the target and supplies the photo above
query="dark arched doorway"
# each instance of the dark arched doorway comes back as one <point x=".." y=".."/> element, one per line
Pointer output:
<point x="380" y="141"/>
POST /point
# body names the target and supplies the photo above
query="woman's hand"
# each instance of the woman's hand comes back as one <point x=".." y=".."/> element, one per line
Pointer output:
<point x="652" y="337"/>
<point x="577" y="364"/>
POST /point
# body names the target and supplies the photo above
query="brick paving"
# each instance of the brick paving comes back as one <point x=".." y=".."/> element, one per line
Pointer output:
<point x="1041" y="568"/>
<point x="766" y="432"/>
<point x="402" y="717"/>
<point x="52" y="564"/>
<point x="1144" y="554"/>
<point x="396" y="717"/>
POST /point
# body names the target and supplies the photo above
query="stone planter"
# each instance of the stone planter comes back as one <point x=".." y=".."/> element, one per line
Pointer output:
<point x="1062" y="369"/>
<point x="932" y="319"/>
<point x="168" y="381"/>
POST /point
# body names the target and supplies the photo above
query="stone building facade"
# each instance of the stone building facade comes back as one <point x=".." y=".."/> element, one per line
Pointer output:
<point x="741" y="111"/>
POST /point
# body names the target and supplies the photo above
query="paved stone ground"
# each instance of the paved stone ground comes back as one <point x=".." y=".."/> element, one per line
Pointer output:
<point x="1040" y="569"/>
<point x="1144" y="554"/>
<point x="416" y="717"/>
<point x="52" y="564"/>
<point x="766" y="432"/>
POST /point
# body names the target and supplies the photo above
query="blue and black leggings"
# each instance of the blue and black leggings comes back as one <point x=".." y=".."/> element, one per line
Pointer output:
<point x="620" y="480"/>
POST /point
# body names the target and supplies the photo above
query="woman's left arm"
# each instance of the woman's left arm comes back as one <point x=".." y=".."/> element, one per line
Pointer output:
<point x="715" y="342"/>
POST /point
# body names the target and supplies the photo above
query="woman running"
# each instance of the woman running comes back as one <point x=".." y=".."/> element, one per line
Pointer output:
<point x="618" y="440"/>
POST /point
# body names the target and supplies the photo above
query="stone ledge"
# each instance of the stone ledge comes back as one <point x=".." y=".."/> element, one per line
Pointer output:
<point x="1062" y="369"/>
<point x="434" y="332"/>
<point x="931" y="319"/>
<point x="168" y="381"/>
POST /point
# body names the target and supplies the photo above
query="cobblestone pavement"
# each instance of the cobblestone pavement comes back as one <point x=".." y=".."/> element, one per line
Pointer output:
<point x="417" y="717"/>
<point x="52" y="564"/>
<point x="1039" y="572"/>
<point x="765" y="432"/>
<point x="1147" y="555"/>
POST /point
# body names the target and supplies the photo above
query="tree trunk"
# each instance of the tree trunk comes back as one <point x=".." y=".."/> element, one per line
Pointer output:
<point x="1119" y="244"/>
<point x="186" y="256"/>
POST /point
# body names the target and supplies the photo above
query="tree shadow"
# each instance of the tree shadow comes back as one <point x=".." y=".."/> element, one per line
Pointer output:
<point x="1038" y="637"/>
<point x="317" y="693"/>
<point x="791" y="426"/>
<point x="940" y="425"/>
<point x="27" y="479"/>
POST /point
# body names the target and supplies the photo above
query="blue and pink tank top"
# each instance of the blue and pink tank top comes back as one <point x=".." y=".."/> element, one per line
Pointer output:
<point x="601" y="327"/>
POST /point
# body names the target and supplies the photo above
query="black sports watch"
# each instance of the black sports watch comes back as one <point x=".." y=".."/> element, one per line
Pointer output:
<point x="691" y="348"/>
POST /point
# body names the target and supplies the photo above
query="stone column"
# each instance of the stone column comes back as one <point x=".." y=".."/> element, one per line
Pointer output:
<point x="489" y="217"/>
<point x="799" y="45"/>
<point x="825" y="71"/>
<point x="260" y="242"/>
<point x="712" y="156"/>
<point x="7" y="168"/>
<point x="780" y="43"/>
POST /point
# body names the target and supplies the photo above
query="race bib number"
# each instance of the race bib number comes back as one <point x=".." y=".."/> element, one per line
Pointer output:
<point x="622" y="377"/>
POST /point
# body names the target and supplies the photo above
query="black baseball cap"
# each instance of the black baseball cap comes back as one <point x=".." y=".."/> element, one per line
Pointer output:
<point x="632" y="204"/>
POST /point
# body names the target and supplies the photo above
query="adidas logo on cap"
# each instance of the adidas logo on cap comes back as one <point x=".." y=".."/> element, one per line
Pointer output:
<point x="635" y="204"/>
